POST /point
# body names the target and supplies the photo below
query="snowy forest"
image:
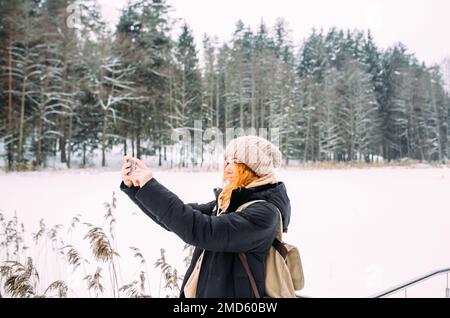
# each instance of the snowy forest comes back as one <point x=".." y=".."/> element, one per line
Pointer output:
<point x="71" y="86"/>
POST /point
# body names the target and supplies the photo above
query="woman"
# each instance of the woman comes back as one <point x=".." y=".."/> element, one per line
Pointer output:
<point x="217" y="231"/>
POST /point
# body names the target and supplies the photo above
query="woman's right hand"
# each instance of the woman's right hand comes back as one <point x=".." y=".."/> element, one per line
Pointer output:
<point x="126" y="167"/>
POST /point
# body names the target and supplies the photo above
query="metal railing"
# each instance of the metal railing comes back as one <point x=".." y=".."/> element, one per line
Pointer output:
<point x="404" y="287"/>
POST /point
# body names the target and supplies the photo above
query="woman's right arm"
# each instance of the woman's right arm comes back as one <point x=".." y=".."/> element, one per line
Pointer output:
<point x="251" y="231"/>
<point x="206" y="208"/>
<point x="131" y="192"/>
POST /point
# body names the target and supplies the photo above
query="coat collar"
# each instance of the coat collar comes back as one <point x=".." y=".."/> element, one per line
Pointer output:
<point x="243" y="195"/>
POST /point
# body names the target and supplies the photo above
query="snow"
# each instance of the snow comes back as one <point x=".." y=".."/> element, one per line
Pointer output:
<point x="359" y="231"/>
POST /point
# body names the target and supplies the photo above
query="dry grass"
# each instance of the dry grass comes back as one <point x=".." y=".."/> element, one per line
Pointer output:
<point x="94" y="282"/>
<point x="143" y="271"/>
<point x="11" y="237"/>
<point x="135" y="289"/>
<point x="130" y="290"/>
<point x="20" y="278"/>
<point x="138" y="255"/>
<point x="100" y="245"/>
<point x="170" y="275"/>
<point x="60" y="286"/>
<point x="73" y="257"/>
<point x="41" y="232"/>
<point x="75" y="220"/>
<point x="189" y="249"/>
<point x="103" y="247"/>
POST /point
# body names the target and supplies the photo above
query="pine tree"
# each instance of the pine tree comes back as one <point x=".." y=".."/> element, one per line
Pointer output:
<point x="311" y="69"/>
<point x="25" y="70"/>
<point x="372" y="59"/>
<point x="75" y="88"/>
<point x="143" y="34"/>
<point x="188" y="86"/>
<point x="8" y="31"/>
<point x="357" y="112"/>
<point x="210" y="79"/>
<point x="283" y="113"/>
<point x="240" y="74"/>
<point x="223" y="74"/>
<point x="331" y="141"/>
<point x="393" y="106"/>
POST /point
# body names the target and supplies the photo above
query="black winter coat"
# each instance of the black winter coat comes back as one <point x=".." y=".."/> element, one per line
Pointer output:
<point x="222" y="237"/>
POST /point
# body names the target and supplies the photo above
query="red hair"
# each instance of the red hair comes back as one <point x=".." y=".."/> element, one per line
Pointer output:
<point x="242" y="176"/>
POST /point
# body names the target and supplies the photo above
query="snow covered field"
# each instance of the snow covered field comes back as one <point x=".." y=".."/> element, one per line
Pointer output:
<point x="359" y="231"/>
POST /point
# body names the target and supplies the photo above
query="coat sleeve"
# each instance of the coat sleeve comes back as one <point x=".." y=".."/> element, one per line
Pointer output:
<point x="252" y="230"/>
<point x="131" y="192"/>
<point x="206" y="208"/>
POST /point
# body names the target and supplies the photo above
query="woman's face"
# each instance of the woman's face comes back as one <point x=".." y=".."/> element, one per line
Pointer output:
<point x="230" y="166"/>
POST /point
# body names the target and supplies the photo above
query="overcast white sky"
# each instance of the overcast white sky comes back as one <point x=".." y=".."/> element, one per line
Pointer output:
<point x="422" y="25"/>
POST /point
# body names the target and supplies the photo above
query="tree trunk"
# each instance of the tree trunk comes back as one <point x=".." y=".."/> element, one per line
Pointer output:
<point x="10" y="96"/>
<point x="138" y="142"/>
<point x="253" y="99"/>
<point x="22" y="114"/>
<point x="39" y="143"/>
<point x="211" y="100"/>
<point x="159" y="156"/>
<point x="62" y="139"/>
<point x="286" y="146"/>
<point x="217" y="103"/>
<point x="241" y="103"/>
<point x="132" y="142"/>
<point x="159" y="147"/>
<point x="69" y="141"/>
<point x="225" y="121"/>
<point x="308" y="127"/>
<point x="84" y="154"/>
<point x="105" y="125"/>
<point x="439" y="124"/>
<point x="262" y="114"/>
<point x="65" y="157"/>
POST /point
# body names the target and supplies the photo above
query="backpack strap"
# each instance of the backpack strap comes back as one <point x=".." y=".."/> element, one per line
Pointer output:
<point x="246" y="204"/>
<point x="279" y="235"/>
<point x="244" y="261"/>
<point x="243" y="256"/>
<point x="278" y="240"/>
<point x="277" y="244"/>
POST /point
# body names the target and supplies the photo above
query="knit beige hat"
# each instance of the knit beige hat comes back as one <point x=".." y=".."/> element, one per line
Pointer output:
<point x="257" y="153"/>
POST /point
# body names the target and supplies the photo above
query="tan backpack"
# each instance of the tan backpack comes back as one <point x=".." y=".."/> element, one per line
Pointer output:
<point x="283" y="266"/>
